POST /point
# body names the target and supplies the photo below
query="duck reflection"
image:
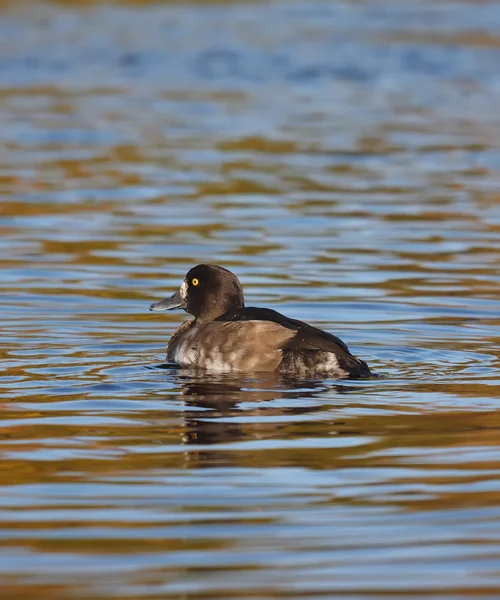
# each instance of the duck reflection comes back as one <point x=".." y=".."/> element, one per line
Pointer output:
<point x="243" y="408"/>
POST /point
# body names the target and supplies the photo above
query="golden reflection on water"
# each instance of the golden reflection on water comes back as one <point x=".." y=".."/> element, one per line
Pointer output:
<point x="346" y="169"/>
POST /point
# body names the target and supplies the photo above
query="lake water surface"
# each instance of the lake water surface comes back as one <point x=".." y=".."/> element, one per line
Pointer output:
<point x="343" y="159"/>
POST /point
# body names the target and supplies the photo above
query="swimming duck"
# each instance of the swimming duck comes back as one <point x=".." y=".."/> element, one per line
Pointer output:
<point x="226" y="335"/>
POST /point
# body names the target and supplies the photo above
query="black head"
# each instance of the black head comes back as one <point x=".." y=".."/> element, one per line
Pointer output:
<point x="207" y="292"/>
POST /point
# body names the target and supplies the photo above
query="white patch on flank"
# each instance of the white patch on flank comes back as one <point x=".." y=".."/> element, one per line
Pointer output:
<point x="332" y="366"/>
<point x="184" y="290"/>
<point x="327" y="364"/>
<point x="215" y="363"/>
<point x="185" y="355"/>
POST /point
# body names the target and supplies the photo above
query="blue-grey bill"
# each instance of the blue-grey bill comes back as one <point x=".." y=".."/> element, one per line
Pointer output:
<point x="171" y="303"/>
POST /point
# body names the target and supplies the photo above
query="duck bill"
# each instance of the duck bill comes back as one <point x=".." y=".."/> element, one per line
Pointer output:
<point x="175" y="301"/>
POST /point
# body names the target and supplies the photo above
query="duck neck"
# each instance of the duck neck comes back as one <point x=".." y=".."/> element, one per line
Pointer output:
<point x="213" y="310"/>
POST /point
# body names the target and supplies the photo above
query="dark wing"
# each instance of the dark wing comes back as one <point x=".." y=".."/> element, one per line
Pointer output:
<point x="307" y="341"/>
<point x="307" y="337"/>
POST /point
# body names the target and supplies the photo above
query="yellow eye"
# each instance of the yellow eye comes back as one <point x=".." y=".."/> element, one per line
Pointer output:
<point x="195" y="281"/>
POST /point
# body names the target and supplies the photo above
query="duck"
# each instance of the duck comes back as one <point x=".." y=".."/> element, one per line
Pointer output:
<point x="226" y="336"/>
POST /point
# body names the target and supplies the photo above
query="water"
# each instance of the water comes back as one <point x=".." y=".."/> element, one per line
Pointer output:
<point x="344" y="160"/>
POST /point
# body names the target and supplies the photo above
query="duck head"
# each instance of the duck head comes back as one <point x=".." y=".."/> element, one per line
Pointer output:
<point x="207" y="292"/>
